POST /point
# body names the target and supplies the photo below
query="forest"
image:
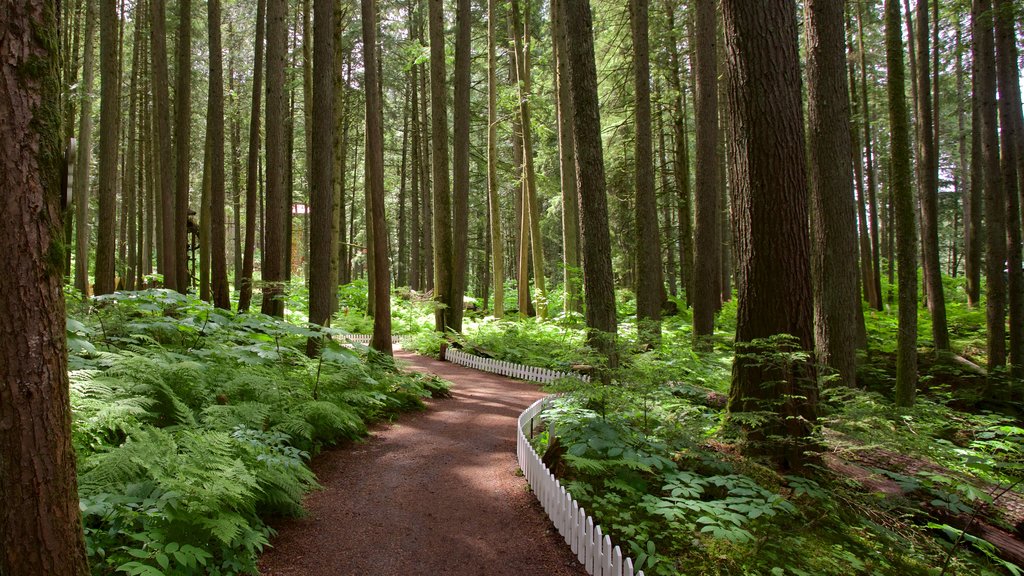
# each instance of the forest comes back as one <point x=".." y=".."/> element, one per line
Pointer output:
<point x="775" y="247"/>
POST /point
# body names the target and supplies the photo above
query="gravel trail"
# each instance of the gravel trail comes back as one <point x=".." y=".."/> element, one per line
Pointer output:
<point x="435" y="492"/>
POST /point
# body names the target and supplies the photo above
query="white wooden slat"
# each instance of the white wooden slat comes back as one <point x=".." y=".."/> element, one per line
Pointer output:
<point x="588" y="546"/>
<point x="597" y="553"/>
<point x="606" y="555"/>
<point x="627" y="567"/>
<point x="616" y="562"/>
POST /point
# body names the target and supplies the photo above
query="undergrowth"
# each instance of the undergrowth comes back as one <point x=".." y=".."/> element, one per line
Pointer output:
<point x="193" y="424"/>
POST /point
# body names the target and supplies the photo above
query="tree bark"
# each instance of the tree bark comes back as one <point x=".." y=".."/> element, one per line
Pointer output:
<point x="599" y="292"/>
<point x="441" y="188"/>
<point x="566" y="165"/>
<point x="182" y="144"/>
<point x="928" y="183"/>
<point x="833" y="214"/>
<point x="681" y="168"/>
<point x="903" y="205"/>
<point x="131" y="188"/>
<point x="40" y="523"/>
<point x="252" y="172"/>
<point x="1012" y="167"/>
<point x="110" y="131"/>
<point x="460" y="160"/>
<point x="381" y="340"/>
<point x="770" y="197"/>
<point x="273" y="263"/>
<point x="493" y="207"/>
<point x="321" y="194"/>
<point x="707" y="257"/>
<point x="82" y="168"/>
<point x="650" y="284"/>
<point x="875" y="300"/>
<point x="218" y="224"/>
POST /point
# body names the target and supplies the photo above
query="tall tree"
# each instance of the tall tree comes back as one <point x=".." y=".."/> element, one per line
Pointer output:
<point x="215" y="115"/>
<point x="273" y="264"/>
<point x="460" y="160"/>
<point x="252" y="166"/>
<point x="566" y="164"/>
<point x="442" y="218"/>
<point x="322" y="282"/>
<point x="707" y="250"/>
<point x="82" y="168"/>
<point x="970" y="177"/>
<point x="381" y="340"/>
<point x="110" y="131"/>
<point x="833" y="216"/>
<point x="928" y="182"/>
<point x="650" y="285"/>
<point x="770" y="199"/>
<point x="869" y="165"/>
<point x="132" y="187"/>
<point x="681" y="157"/>
<point x="494" y="209"/>
<point x="599" y="292"/>
<point x="40" y="523"/>
<point x="995" y="202"/>
<point x="531" y="204"/>
<point x="182" y="143"/>
<point x="903" y="204"/>
<point x="1011" y="132"/>
<point x="167" y="254"/>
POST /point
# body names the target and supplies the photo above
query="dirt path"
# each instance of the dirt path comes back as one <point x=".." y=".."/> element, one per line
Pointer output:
<point x="433" y="493"/>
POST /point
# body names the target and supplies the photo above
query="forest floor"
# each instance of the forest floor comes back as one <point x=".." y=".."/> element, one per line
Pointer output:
<point x="432" y="493"/>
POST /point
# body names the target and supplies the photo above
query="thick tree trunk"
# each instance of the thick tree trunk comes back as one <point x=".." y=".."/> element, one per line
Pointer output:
<point x="903" y="206"/>
<point x="131" y="189"/>
<point x="681" y="159"/>
<point x="649" y="285"/>
<point x="82" y="168"/>
<point x="770" y="196"/>
<point x="40" y="523"/>
<point x="493" y="207"/>
<point x="252" y="173"/>
<point x="381" y="340"/>
<point x="995" y="201"/>
<point x="833" y="214"/>
<point x="460" y="161"/>
<point x="566" y="165"/>
<point x="182" y="144"/>
<point x="110" y="131"/>
<point x="218" y="241"/>
<point x="928" y="184"/>
<point x="521" y="52"/>
<point x="442" y="190"/>
<point x="321" y="194"/>
<point x="274" y="273"/>
<point x="599" y="292"/>
<point x="1011" y="134"/>
<point x="707" y="257"/>
<point x="204" y="221"/>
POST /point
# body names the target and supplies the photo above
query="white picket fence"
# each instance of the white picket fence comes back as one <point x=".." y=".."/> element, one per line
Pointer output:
<point x="593" y="549"/>
<point x="510" y="369"/>
<point x="365" y="338"/>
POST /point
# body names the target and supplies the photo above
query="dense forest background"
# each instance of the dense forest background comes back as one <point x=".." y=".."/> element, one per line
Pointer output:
<point x="788" y="232"/>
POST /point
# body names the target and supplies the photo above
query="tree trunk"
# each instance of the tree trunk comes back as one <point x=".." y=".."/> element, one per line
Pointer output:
<point x="566" y="164"/>
<point x="130" y="188"/>
<point x="875" y="297"/>
<point x="833" y="215"/>
<point x="460" y="161"/>
<point x="707" y="258"/>
<point x="903" y="205"/>
<point x="770" y="196"/>
<point x="381" y="340"/>
<point x="523" y="82"/>
<point x="867" y="271"/>
<point x="928" y="183"/>
<point x="215" y="114"/>
<point x="40" y="523"/>
<point x="182" y="144"/>
<point x="252" y="173"/>
<point x="681" y="169"/>
<point x="995" y="201"/>
<point x="402" y="267"/>
<point x="321" y="173"/>
<point x="274" y="260"/>
<point x="493" y="207"/>
<point x="1012" y="167"/>
<point x="968" y="185"/>
<point x="83" y="167"/>
<point x="110" y="129"/>
<point x="236" y="167"/>
<point x="669" y="270"/>
<point x="649" y="282"/>
<point x="204" y="221"/>
<point x="599" y="292"/>
<point x="442" y="190"/>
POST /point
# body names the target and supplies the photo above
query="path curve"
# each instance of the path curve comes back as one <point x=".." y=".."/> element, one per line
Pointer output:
<point x="435" y="492"/>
